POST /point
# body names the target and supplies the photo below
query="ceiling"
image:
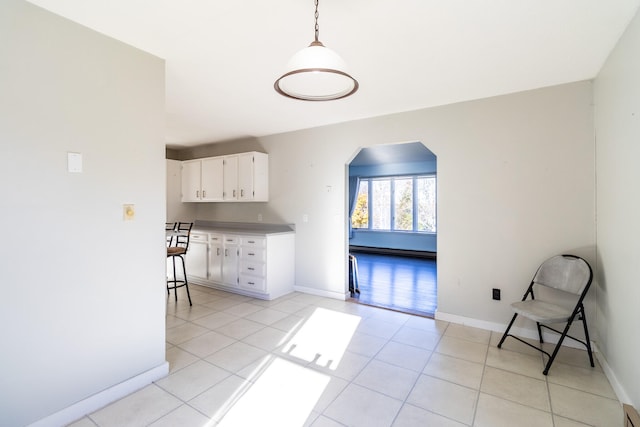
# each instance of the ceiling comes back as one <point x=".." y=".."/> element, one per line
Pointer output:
<point x="222" y="57"/>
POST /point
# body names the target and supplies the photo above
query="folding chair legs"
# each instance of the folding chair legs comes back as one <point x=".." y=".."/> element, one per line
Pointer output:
<point x="540" y="332"/>
<point x="586" y="343"/>
<point x="586" y="337"/>
<point x="563" y="335"/>
<point x="506" y="333"/>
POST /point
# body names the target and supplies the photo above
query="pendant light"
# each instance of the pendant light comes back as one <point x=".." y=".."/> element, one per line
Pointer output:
<point x="316" y="73"/>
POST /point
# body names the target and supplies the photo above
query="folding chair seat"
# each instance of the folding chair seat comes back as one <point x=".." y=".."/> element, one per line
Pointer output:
<point x="543" y="303"/>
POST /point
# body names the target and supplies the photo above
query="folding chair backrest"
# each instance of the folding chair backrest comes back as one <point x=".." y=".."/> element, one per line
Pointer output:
<point x="567" y="273"/>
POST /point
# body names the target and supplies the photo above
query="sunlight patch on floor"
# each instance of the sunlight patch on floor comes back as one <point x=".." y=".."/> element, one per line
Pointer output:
<point x="323" y="338"/>
<point x="284" y="393"/>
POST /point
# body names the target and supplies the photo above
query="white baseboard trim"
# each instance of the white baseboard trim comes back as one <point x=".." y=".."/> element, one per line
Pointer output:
<point x="322" y="293"/>
<point x="500" y="327"/>
<point x="468" y="321"/>
<point x="103" y="398"/>
<point x="613" y="379"/>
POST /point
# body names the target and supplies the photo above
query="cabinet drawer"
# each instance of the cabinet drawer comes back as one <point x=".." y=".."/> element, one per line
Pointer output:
<point x="253" y="268"/>
<point x="253" y="254"/>
<point x="253" y="242"/>
<point x="230" y="240"/>
<point x="199" y="237"/>
<point x="252" y="283"/>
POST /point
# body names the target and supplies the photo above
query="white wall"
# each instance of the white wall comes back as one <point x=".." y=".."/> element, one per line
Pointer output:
<point x="83" y="297"/>
<point x="515" y="186"/>
<point x="617" y="121"/>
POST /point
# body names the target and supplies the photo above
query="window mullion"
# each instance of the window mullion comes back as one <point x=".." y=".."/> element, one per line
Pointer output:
<point x="370" y="203"/>
<point x="392" y="204"/>
<point x="415" y="203"/>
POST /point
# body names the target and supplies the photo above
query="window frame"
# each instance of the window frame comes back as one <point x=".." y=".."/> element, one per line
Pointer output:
<point x="392" y="208"/>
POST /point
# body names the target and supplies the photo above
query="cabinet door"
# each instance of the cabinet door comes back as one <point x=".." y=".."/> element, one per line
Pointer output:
<point x="191" y="181"/>
<point x="230" y="266"/>
<point x="196" y="260"/>
<point x="245" y="176"/>
<point x="216" y="255"/>
<point x="212" y="179"/>
<point x="231" y="178"/>
<point x="230" y="259"/>
<point x="253" y="176"/>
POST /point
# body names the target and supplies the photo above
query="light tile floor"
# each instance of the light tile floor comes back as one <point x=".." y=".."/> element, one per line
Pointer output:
<point x="304" y="360"/>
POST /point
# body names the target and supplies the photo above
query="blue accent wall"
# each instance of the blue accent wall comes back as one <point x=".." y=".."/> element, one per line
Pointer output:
<point x="396" y="239"/>
<point x="386" y="169"/>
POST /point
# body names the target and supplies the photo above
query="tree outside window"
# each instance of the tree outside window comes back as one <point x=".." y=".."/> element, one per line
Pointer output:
<point x="403" y="204"/>
<point x="381" y="204"/>
<point x="360" y="216"/>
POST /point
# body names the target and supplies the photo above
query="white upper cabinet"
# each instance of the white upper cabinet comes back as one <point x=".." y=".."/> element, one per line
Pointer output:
<point x="202" y="180"/>
<point x="191" y="188"/>
<point x="235" y="178"/>
<point x="212" y="179"/>
<point x="253" y="177"/>
<point x="231" y="178"/>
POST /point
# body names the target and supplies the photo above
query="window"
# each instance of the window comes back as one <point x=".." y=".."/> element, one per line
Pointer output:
<point x="397" y="203"/>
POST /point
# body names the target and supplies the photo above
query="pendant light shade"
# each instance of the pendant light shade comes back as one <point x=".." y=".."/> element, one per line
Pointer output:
<point x="316" y="73"/>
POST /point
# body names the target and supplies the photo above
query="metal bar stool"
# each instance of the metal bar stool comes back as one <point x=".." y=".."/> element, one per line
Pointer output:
<point x="169" y="228"/>
<point x="177" y="248"/>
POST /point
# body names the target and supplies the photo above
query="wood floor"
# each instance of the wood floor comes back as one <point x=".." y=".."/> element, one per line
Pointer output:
<point x="398" y="283"/>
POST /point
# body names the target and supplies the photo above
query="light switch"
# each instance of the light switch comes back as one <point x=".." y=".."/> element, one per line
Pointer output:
<point x="74" y="162"/>
<point x="128" y="212"/>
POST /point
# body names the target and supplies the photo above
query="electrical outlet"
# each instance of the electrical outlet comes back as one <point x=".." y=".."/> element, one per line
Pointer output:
<point x="496" y="294"/>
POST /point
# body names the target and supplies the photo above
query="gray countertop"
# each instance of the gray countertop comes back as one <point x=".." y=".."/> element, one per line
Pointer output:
<point x="242" y="227"/>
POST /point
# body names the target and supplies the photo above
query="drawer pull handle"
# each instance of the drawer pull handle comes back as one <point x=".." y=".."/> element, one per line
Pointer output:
<point x="251" y="283"/>
<point x="217" y="251"/>
<point x="250" y="268"/>
<point x="251" y="254"/>
<point x="252" y="241"/>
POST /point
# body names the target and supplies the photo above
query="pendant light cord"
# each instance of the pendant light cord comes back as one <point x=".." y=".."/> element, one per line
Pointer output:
<point x="317" y="26"/>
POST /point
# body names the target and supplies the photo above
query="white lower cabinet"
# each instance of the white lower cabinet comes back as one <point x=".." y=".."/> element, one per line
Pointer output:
<point x="253" y="269"/>
<point x="230" y="260"/>
<point x="261" y="266"/>
<point x="216" y="254"/>
<point x="196" y="260"/>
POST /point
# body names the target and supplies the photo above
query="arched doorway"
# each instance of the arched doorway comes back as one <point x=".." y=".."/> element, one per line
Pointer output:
<point x="392" y="226"/>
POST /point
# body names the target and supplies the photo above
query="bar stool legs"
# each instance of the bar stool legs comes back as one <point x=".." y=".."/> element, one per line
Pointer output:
<point x="175" y="283"/>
